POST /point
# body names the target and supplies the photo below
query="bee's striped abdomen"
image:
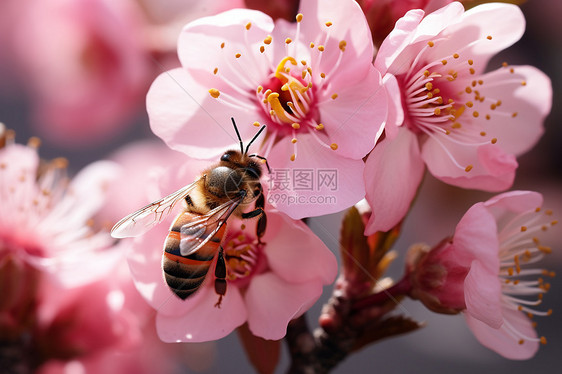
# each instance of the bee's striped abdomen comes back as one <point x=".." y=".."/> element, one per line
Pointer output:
<point x="185" y="274"/>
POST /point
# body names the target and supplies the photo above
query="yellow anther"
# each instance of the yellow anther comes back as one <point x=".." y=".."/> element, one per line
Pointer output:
<point x="471" y="71"/>
<point x="429" y="86"/>
<point x="268" y="39"/>
<point x="262" y="49"/>
<point x="430" y="43"/>
<point x="296" y="125"/>
<point x="470" y="62"/>
<point x="469" y="104"/>
<point x="222" y="45"/>
<point x="444" y="62"/>
<point x="34" y="142"/>
<point x="514" y="114"/>
<point x="319" y="126"/>
<point x="489" y="37"/>
<point x="292" y="158"/>
<point x="322" y="75"/>
<point x="456" y="55"/>
<point x="342" y="45"/>
<point x="468" y="168"/>
<point x="334" y="146"/>
<point x="299" y="17"/>
<point x="237" y="55"/>
<point x="294" y="140"/>
<point x="334" y="96"/>
<point x="328" y="24"/>
<point x="288" y="41"/>
<point x="494" y="140"/>
<point x="248" y="25"/>
<point x="482" y="133"/>
<point x="214" y="93"/>
<point x="321" y="48"/>
<point x="311" y="45"/>
<point x="475" y="114"/>
<point x="257" y="124"/>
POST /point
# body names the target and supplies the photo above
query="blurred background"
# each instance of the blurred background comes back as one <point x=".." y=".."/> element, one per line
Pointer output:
<point x="75" y="73"/>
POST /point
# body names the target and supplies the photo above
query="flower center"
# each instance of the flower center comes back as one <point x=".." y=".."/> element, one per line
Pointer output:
<point x="520" y="246"/>
<point x="287" y="99"/>
<point x="243" y="257"/>
<point x="444" y="98"/>
<point x="289" y="95"/>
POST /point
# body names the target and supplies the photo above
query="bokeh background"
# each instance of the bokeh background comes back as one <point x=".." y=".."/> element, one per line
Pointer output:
<point x="445" y="345"/>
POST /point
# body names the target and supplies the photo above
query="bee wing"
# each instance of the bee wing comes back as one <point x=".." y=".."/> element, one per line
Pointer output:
<point x="197" y="233"/>
<point x="144" y="219"/>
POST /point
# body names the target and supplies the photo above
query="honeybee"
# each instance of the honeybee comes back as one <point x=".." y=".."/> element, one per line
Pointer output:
<point x="195" y="236"/>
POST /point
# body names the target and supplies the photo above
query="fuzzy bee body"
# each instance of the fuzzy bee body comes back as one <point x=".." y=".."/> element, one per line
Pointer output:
<point x="194" y="239"/>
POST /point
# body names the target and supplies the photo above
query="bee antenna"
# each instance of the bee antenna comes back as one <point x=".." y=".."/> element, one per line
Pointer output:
<point x="238" y="135"/>
<point x="254" y="138"/>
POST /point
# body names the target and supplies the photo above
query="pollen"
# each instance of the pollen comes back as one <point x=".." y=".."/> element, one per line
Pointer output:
<point x="288" y="41"/>
<point x="237" y="55"/>
<point x="34" y="142"/>
<point x="494" y="140"/>
<point x="248" y="25"/>
<point x="216" y="71"/>
<point x="470" y="62"/>
<point x="322" y="75"/>
<point x="342" y="45"/>
<point x="334" y="96"/>
<point x="468" y="168"/>
<point x="321" y="48"/>
<point x="471" y="71"/>
<point x="475" y="114"/>
<point x="514" y="114"/>
<point x="214" y="93"/>
<point x="430" y="44"/>
<point x="268" y="40"/>
<point x="222" y="45"/>
<point x="294" y="140"/>
<point x="444" y="62"/>
<point x="456" y="55"/>
<point x="296" y="126"/>
<point x="311" y="45"/>
<point x="482" y="133"/>
<point x="262" y="49"/>
<point x="257" y="124"/>
<point x="292" y="158"/>
<point x="524" y="83"/>
<point x="328" y="24"/>
<point x="299" y="17"/>
<point x="489" y="37"/>
<point x="334" y="146"/>
<point x="319" y="127"/>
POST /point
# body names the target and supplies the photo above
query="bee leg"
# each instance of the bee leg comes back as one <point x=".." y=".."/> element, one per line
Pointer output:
<point x="262" y="221"/>
<point x="220" y="275"/>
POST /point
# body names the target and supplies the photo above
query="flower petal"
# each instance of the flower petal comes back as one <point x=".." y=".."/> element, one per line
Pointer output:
<point x="318" y="182"/>
<point x="501" y="340"/>
<point x="514" y="202"/>
<point x="476" y="235"/>
<point x="526" y="99"/>
<point x="296" y="254"/>
<point x="348" y="23"/>
<point x="393" y="172"/>
<point x="355" y="120"/>
<point x="204" y="322"/>
<point x="272" y="302"/>
<point x="482" y="294"/>
<point x="189" y="120"/>
<point x="491" y="168"/>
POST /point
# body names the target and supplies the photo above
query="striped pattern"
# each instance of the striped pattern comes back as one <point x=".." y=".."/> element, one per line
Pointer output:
<point x="185" y="274"/>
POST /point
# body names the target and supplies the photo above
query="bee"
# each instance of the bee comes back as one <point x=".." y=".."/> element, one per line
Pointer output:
<point x="194" y="238"/>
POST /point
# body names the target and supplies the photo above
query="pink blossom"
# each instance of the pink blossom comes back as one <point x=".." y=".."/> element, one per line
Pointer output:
<point x="466" y="125"/>
<point x="268" y="284"/>
<point x="311" y="82"/>
<point x="39" y="199"/>
<point x="68" y="300"/>
<point x="84" y="65"/>
<point x="486" y="271"/>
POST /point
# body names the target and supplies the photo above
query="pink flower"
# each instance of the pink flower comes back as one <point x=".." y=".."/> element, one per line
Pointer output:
<point x="311" y="82"/>
<point x="85" y="67"/>
<point x="486" y="271"/>
<point x="467" y="126"/>
<point x="268" y="284"/>
<point x="45" y="220"/>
